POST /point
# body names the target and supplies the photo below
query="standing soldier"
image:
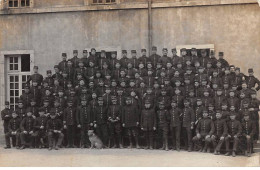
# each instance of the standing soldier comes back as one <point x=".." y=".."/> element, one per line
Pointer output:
<point x="252" y="81"/>
<point x="6" y="117"/>
<point x="93" y="57"/>
<point x="124" y="60"/>
<point x="49" y="78"/>
<point x="204" y="130"/>
<point x="254" y="108"/>
<point x="85" y="58"/>
<point x="13" y="131"/>
<point x="162" y="125"/>
<point x="175" y="57"/>
<point x="164" y="59"/>
<point x="114" y="123"/>
<point x="57" y="74"/>
<point x="84" y="119"/>
<point x="144" y="59"/>
<point x="75" y="59"/>
<point x="220" y="132"/>
<point x="69" y="120"/>
<point x="223" y="62"/>
<point x="234" y="131"/>
<point x="26" y="96"/>
<point x="100" y="121"/>
<point x="187" y="124"/>
<point x="134" y="60"/>
<point x="63" y="63"/>
<point x="54" y="130"/>
<point x="175" y="125"/>
<point x="35" y="76"/>
<point x="148" y="123"/>
<point x="113" y="60"/>
<point x="154" y="57"/>
<point x="130" y="121"/>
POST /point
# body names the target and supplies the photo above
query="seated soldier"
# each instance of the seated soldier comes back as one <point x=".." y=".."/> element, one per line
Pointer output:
<point x="27" y="130"/>
<point x="204" y="130"/>
<point x="54" y="129"/>
<point x="220" y="132"/>
<point x="248" y="131"/>
<point x="234" y="131"/>
<point x="40" y="128"/>
<point x="13" y="131"/>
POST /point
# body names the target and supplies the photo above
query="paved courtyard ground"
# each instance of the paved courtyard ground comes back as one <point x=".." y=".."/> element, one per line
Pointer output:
<point x="119" y="157"/>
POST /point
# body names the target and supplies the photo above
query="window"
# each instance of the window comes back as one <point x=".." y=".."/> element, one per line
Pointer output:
<point x="19" y="3"/>
<point x="13" y="3"/>
<point x="103" y="1"/>
<point x="18" y="72"/>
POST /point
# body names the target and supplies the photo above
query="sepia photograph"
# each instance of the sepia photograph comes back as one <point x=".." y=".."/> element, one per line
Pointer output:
<point x="129" y="83"/>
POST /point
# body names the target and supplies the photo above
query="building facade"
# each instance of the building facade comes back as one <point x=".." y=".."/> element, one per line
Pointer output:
<point x="36" y="32"/>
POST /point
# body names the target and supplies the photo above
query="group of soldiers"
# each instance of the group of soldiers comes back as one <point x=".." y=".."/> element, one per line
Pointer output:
<point x="193" y="100"/>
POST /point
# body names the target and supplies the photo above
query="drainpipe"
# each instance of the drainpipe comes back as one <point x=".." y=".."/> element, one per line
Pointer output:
<point x="149" y="26"/>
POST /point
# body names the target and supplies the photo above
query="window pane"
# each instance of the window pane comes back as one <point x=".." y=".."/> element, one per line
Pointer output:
<point x="27" y="2"/>
<point x="11" y="93"/>
<point x="11" y="59"/>
<point x="22" y="3"/>
<point x="25" y="63"/>
<point x="11" y="85"/>
<point x="16" y="86"/>
<point x="94" y="1"/>
<point x="11" y="67"/>
<point x="16" y="78"/>
<point x="23" y="78"/>
<point x="11" y="100"/>
<point x="16" y="67"/>
<point x="15" y="59"/>
<point x="11" y="79"/>
<point x="16" y="92"/>
<point x="16" y="3"/>
<point x="10" y="3"/>
<point x="16" y="99"/>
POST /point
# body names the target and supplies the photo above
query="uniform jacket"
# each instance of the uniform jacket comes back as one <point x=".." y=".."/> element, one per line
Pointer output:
<point x="220" y="127"/>
<point x="174" y="117"/>
<point x="69" y="116"/>
<point x="27" y="124"/>
<point x="84" y="115"/>
<point x="14" y="124"/>
<point x="130" y="116"/>
<point x="234" y="127"/>
<point x="205" y="127"/>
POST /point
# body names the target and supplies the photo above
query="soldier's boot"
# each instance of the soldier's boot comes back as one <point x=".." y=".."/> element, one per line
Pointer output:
<point x="147" y="144"/>
<point x="234" y="154"/>
<point x="130" y="144"/>
<point x="166" y="145"/>
<point x="120" y="142"/>
<point x="151" y="143"/>
<point x="22" y="147"/>
<point x="137" y="143"/>
<point x="246" y="153"/>
<point x="7" y="147"/>
<point x="163" y="147"/>
<point x="228" y="153"/>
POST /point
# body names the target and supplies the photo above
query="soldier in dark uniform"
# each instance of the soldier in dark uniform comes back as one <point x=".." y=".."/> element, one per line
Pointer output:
<point x="100" y="121"/>
<point x="75" y="59"/>
<point x="21" y="110"/>
<point x="69" y="120"/>
<point x="154" y="57"/>
<point x="130" y="121"/>
<point x="204" y="130"/>
<point x="35" y="92"/>
<point x="223" y="62"/>
<point x="253" y="109"/>
<point x="124" y="60"/>
<point x="144" y="59"/>
<point x="63" y="64"/>
<point x="35" y="76"/>
<point x="113" y="60"/>
<point x="93" y="57"/>
<point x="220" y="132"/>
<point x="49" y="78"/>
<point x="57" y="74"/>
<point x="252" y="81"/>
<point x="164" y="59"/>
<point x="162" y="125"/>
<point x="134" y="60"/>
<point x="102" y="59"/>
<point x="34" y="108"/>
<point x="148" y="123"/>
<point x="13" y="131"/>
<point x="85" y="120"/>
<point x="187" y="118"/>
<point x="175" y="124"/>
<point x="204" y="58"/>
<point x="85" y="58"/>
<point x="114" y="123"/>
<point x="175" y="57"/>
<point x="27" y="130"/>
<point x="6" y="116"/>
<point x="40" y="128"/>
<point x="26" y="96"/>
<point x="248" y="131"/>
<point x="54" y="129"/>
<point x="234" y="131"/>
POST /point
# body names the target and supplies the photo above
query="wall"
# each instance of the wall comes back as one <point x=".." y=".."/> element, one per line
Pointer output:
<point x="233" y="29"/>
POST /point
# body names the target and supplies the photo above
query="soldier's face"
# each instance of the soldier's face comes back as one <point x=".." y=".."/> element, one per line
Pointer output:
<point x="199" y="103"/>
<point x="83" y="103"/>
<point x="118" y="65"/>
<point x="188" y="62"/>
<point x="149" y="91"/>
<point x="14" y="115"/>
<point x="174" y="52"/>
<point x="209" y="65"/>
<point x="29" y="114"/>
<point x="168" y="65"/>
<point x="142" y="84"/>
<point x="122" y="84"/>
<point x="173" y="104"/>
<point x="64" y="58"/>
<point x="219" y="93"/>
<point x="113" y="55"/>
<point x="251" y="74"/>
<point x="158" y="65"/>
<point x="179" y="65"/>
<point x="246" y="118"/>
<point x="147" y="105"/>
<point x="165" y="52"/>
<point x="20" y="105"/>
<point x="70" y="104"/>
<point x="69" y="63"/>
<point x="35" y="70"/>
<point x="56" y="104"/>
<point x="129" y="65"/>
<point x="233" y="117"/>
<point x="154" y="51"/>
<point x="183" y="53"/>
<point x="75" y="54"/>
<point x="124" y="54"/>
<point x="155" y="86"/>
<point x="6" y="106"/>
<point x="41" y="113"/>
<point x="108" y="91"/>
<point x="85" y="54"/>
<point x="219" y="64"/>
<point x="81" y="64"/>
<point x="141" y="65"/>
<point x="242" y="95"/>
<point x="253" y="96"/>
<point x="94" y="95"/>
<point x="186" y="104"/>
<point x="197" y="64"/>
<point x="224" y="107"/>
<point x="193" y="52"/>
<point x="204" y="83"/>
<point x="218" y="115"/>
<point x="53" y="116"/>
<point x="143" y="53"/>
<point x="232" y="108"/>
<point x="128" y="102"/>
<point x="203" y="54"/>
<point x="33" y="103"/>
<point x="26" y="90"/>
<point x="69" y="85"/>
<point x="191" y="94"/>
<point x="196" y="84"/>
<point x="211" y="108"/>
<point x="206" y="94"/>
<point x="120" y="92"/>
<point x="215" y="86"/>
<point x="45" y="104"/>
<point x="34" y="83"/>
<point x="205" y="114"/>
<point x="93" y="52"/>
<point x="245" y="105"/>
<point x="231" y="94"/>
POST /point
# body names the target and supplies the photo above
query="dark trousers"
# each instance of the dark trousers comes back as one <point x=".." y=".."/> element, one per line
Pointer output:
<point x="115" y="132"/>
<point x="162" y="135"/>
<point x="235" y="143"/>
<point x="217" y="143"/>
<point x="70" y="134"/>
<point x="52" y="139"/>
<point x="175" y="133"/>
<point x="186" y="132"/>
<point x="256" y="119"/>
<point x="27" y="139"/>
<point x="15" y="139"/>
<point x="198" y="141"/>
<point x="84" y="135"/>
<point x="40" y="134"/>
<point x="102" y="132"/>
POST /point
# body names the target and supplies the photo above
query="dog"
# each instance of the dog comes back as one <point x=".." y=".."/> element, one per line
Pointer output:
<point x="94" y="140"/>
